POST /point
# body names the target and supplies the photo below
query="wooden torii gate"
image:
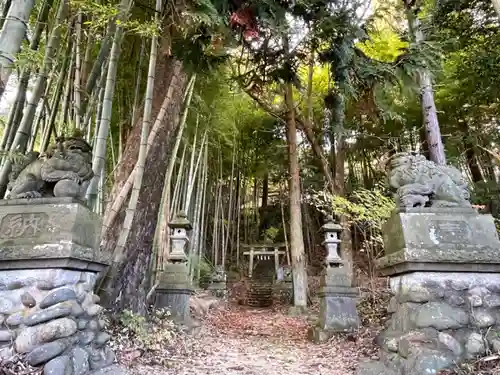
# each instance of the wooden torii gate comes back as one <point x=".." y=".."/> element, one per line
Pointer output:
<point x="265" y="251"/>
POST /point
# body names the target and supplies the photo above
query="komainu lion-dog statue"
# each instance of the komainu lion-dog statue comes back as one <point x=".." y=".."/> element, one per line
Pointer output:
<point x="65" y="170"/>
<point x="422" y="183"/>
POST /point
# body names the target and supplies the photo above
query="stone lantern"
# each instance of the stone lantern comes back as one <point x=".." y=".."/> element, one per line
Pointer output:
<point x="331" y="232"/>
<point x="179" y="238"/>
<point x="337" y="296"/>
<point x="174" y="287"/>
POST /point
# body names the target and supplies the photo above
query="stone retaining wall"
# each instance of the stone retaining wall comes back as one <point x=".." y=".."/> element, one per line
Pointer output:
<point x="53" y="316"/>
<point x="439" y="319"/>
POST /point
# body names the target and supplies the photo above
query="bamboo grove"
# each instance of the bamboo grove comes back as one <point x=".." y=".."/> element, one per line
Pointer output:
<point x="257" y="119"/>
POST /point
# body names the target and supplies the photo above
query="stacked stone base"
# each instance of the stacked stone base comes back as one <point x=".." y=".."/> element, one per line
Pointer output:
<point x="260" y="293"/>
<point x="53" y="317"/>
<point x="439" y="319"/>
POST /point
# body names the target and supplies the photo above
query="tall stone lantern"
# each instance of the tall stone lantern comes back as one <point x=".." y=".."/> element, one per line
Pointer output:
<point x="175" y="288"/>
<point x="331" y="242"/>
<point x="337" y="296"/>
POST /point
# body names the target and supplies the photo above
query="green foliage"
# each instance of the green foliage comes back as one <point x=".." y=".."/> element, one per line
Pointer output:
<point x="100" y="14"/>
<point x="141" y="28"/>
<point x="205" y="268"/>
<point x="362" y="205"/>
<point x="383" y="45"/>
<point x="270" y="234"/>
<point x="28" y="59"/>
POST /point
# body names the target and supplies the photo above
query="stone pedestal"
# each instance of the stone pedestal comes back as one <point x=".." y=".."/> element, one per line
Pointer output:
<point x="338" y="311"/>
<point x="283" y="288"/>
<point x="174" y="290"/>
<point x="175" y="287"/>
<point x="49" y="260"/>
<point x="445" y="277"/>
<point x="218" y="284"/>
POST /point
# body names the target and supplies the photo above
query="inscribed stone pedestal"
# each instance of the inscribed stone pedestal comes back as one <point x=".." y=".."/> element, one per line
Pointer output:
<point x="49" y="258"/>
<point x="427" y="239"/>
<point x="338" y="311"/>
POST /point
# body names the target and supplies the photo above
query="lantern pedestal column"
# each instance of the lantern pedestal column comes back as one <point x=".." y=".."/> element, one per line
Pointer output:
<point x="175" y="288"/>
<point x="218" y="283"/>
<point x="338" y="298"/>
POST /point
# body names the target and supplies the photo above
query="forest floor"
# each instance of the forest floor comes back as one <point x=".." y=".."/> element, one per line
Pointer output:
<point x="247" y="341"/>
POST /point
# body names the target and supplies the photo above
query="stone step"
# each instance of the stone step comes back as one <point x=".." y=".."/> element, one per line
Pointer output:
<point x="260" y="293"/>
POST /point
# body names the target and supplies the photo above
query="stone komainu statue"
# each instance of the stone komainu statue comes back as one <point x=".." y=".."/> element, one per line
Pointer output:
<point x="420" y="182"/>
<point x="65" y="170"/>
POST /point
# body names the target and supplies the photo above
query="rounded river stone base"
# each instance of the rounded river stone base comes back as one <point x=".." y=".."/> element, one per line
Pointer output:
<point x="53" y="317"/>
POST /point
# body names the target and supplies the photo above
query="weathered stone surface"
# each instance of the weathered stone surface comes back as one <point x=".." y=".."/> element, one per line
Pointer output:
<point x="492" y="300"/>
<point x="31" y="337"/>
<point x="455" y="299"/>
<point x="374" y="368"/>
<point x="43" y="316"/>
<point x="72" y="231"/>
<point x="430" y="240"/>
<point x="101" y="359"/>
<point x="416" y="294"/>
<point x="402" y="320"/>
<point x="338" y="313"/>
<point x="451" y="343"/>
<point x="82" y="323"/>
<point x="6" y="305"/>
<point x="28" y="300"/>
<point x="86" y="337"/>
<point x="475" y="301"/>
<point x="475" y="345"/>
<point x="94" y="310"/>
<point x="481" y="318"/>
<point x="441" y="316"/>
<point x="59" y="366"/>
<point x="57" y="296"/>
<point x="113" y="370"/>
<point x="5" y="335"/>
<point x="428" y="361"/>
<point x="46" y="352"/>
<point x="93" y="325"/>
<point x="76" y="309"/>
<point x="393" y="305"/>
<point x="101" y="339"/>
<point x="414" y="339"/>
<point x="15" y="319"/>
<point x="6" y="353"/>
<point x="80" y="358"/>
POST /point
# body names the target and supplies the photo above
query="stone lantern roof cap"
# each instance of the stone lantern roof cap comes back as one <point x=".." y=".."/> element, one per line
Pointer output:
<point x="180" y="221"/>
<point x="330" y="226"/>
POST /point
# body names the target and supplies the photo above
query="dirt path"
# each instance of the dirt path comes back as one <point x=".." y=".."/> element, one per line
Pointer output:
<point x="243" y="341"/>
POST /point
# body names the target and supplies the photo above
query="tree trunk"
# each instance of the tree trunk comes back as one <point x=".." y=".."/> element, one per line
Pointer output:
<point x="470" y="154"/>
<point x="296" y="236"/>
<point x="265" y="190"/>
<point x="433" y="133"/>
<point x="429" y="112"/>
<point x="129" y="287"/>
